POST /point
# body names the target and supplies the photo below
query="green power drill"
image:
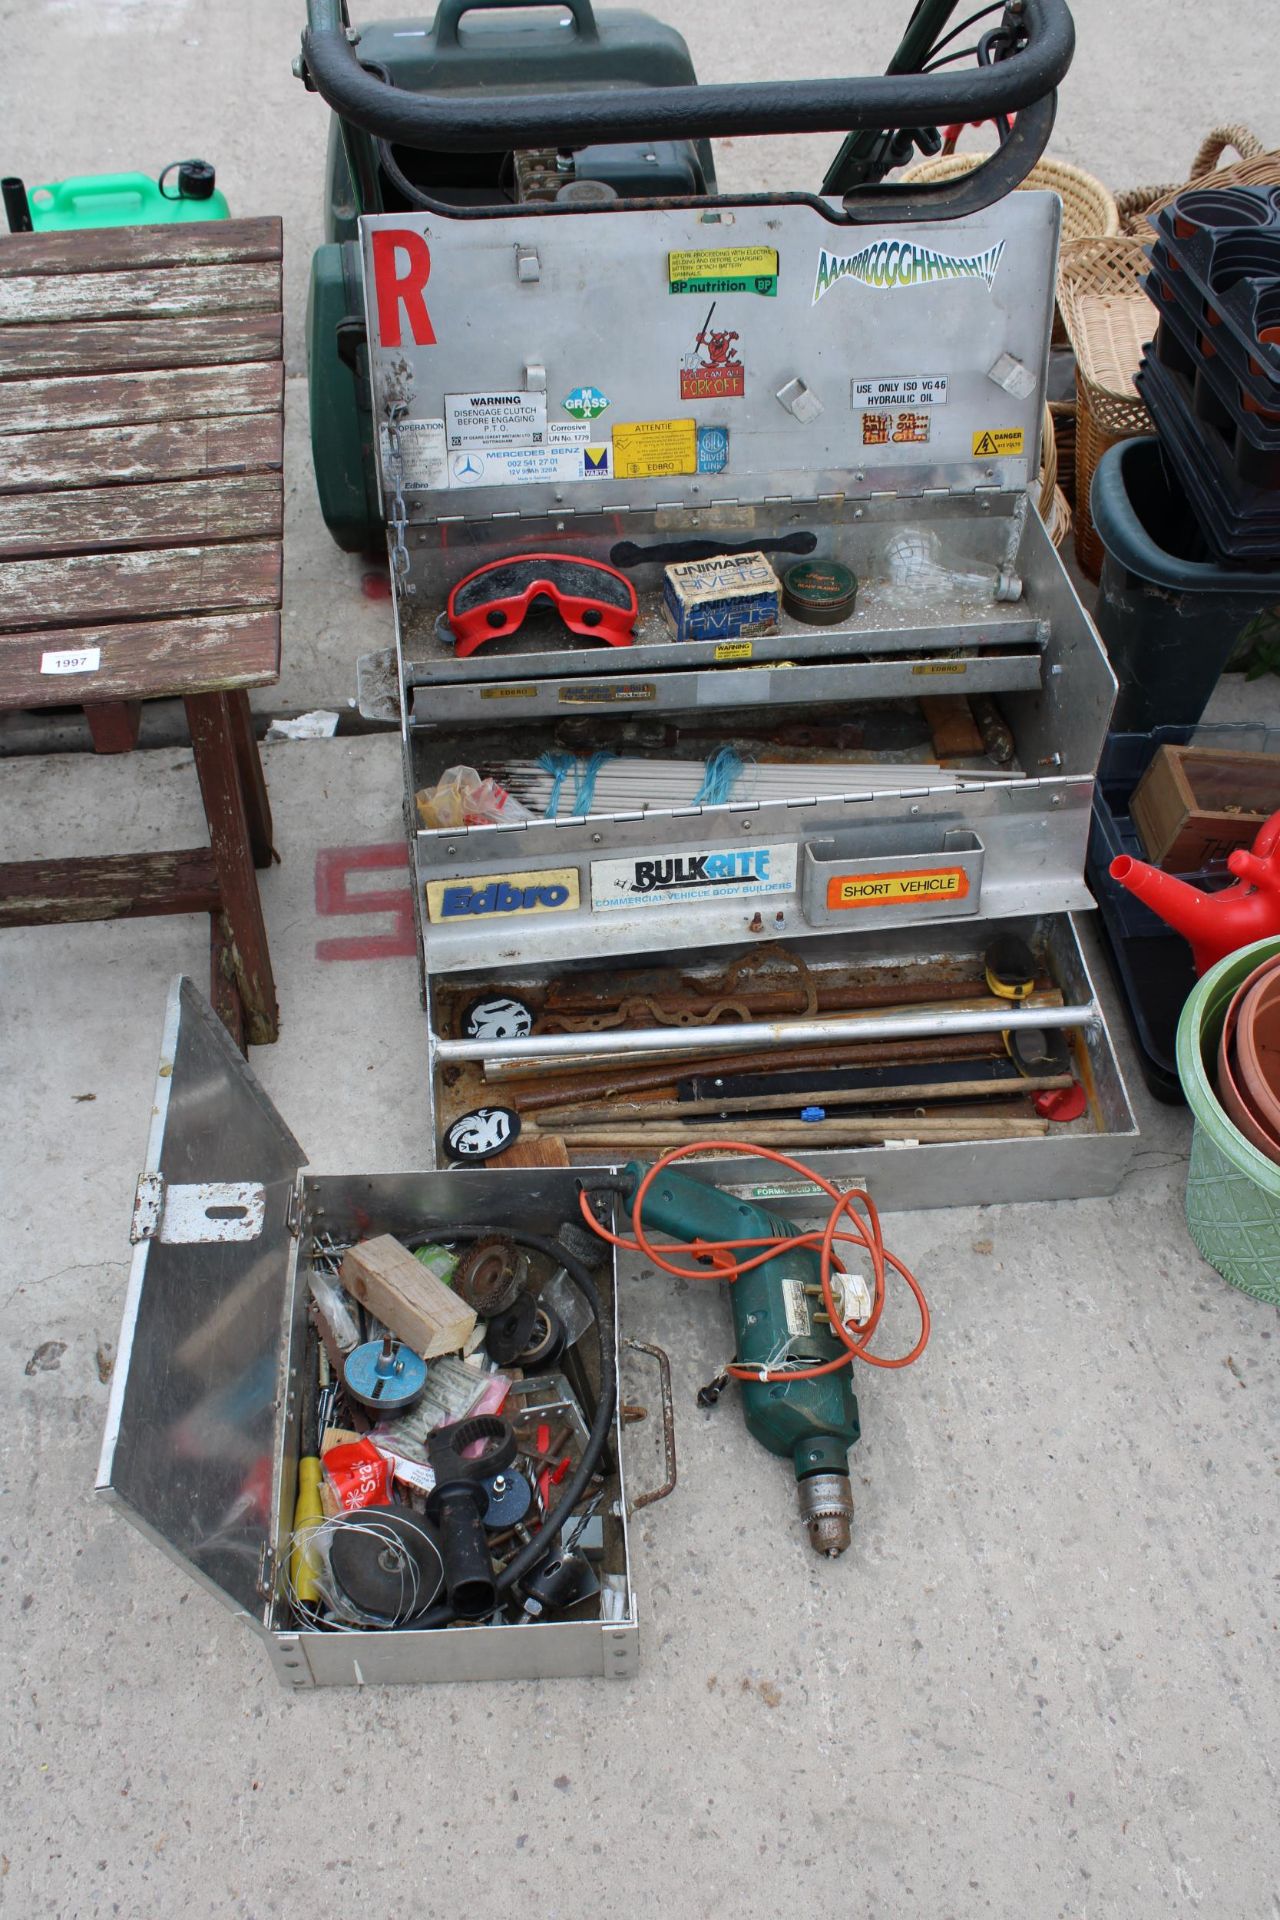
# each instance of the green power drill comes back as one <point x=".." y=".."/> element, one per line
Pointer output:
<point x="776" y="1309"/>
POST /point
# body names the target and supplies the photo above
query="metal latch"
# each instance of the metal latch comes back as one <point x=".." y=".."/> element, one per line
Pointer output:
<point x="206" y="1212"/>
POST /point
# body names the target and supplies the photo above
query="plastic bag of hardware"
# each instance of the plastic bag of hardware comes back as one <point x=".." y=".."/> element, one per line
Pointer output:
<point x="454" y="1391"/>
<point x="460" y="798"/>
<point x="918" y="565"/>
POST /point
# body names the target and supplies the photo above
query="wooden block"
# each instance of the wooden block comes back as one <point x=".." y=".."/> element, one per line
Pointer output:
<point x="952" y="725"/>
<point x="161" y="450"/>
<point x="131" y="399"/>
<point x="418" y="1308"/>
<point x="1193" y="805"/>
<point x="240" y="506"/>
<point x="143" y="660"/>
<point x="118" y="346"/>
<point x="547" y="1150"/>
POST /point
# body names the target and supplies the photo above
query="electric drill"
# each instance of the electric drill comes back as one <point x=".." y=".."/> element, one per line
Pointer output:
<point x="813" y="1423"/>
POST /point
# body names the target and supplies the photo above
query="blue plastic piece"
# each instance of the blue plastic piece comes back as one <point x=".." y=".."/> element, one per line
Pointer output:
<point x="813" y="1113"/>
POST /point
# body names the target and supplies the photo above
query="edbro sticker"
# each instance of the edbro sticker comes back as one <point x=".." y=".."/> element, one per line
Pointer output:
<point x="499" y="896"/>
<point x="658" y="880"/>
<point x="713" y="370"/>
<point x="903" y="263"/>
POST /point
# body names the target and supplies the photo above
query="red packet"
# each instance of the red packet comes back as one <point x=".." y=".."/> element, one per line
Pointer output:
<point x="358" y="1475"/>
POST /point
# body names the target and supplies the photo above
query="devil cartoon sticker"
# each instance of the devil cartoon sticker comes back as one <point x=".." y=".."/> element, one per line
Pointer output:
<point x="713" y="371"/>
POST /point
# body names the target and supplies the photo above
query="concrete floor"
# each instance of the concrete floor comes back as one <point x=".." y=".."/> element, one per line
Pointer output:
<point x="1043" y="1683"/>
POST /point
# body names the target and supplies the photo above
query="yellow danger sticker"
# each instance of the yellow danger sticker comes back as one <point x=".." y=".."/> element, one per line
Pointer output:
<point x="643" y="449"/>
<point x="849" y="890"/>
<point x="733" y="650"/>
<point x="998" y="442"/>
<point x="500" y="896"/>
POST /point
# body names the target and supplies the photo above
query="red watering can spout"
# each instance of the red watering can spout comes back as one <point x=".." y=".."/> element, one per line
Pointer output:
<point x="1214" y="924"/>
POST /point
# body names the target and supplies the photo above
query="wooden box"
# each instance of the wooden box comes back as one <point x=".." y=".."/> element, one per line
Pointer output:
<point x="1193" y="805"/>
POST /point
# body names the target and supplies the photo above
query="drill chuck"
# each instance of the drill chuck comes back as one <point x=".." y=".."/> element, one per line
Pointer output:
<point x="826" y="1507"/>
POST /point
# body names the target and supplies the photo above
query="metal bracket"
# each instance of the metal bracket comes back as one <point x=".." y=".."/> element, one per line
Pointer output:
<point x="266" y="1569"/>
<point x="668" y="1424"/>
<point x="207" y="1212"/>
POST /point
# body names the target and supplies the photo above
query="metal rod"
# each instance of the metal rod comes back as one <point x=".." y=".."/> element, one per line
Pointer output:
<point x="901" y="1026"/>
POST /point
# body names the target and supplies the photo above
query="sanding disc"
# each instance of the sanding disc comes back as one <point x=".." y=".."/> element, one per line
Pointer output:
<point x="386" y="1561"/>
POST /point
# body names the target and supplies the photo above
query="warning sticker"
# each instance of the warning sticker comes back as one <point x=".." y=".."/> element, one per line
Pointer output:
<point x="423" y="460"/>
<point x="495" y="419"/>
<point x="724" y="270"/>
<point x="998" y="442"/>
<point x="895" y="429"/>
<point x="498" y="896"/>
<point x="734" y="650"/>
<point x="569" y="433"/>
<point x="899" y="390"/>
<point x="848" y="890"/>
<point x="645" y="449"/>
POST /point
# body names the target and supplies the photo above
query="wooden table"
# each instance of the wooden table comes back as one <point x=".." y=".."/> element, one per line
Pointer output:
<point x="141" y="515"/>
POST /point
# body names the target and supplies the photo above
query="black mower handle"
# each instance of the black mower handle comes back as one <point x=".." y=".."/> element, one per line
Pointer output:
<point x="498" y="120"/>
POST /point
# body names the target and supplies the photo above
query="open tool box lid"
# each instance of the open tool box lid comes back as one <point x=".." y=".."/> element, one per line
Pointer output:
<point x="194" y="1443"/>
<point x="666" y="355"/>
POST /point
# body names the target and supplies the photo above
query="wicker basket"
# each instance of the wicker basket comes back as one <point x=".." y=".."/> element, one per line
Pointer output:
<point x="1063" y="415"/>
<point x="1109" y="320"/>
<point x="1048" y="466"/>
<point x="1256" y="167"/>
<point x="1058" y="520"/>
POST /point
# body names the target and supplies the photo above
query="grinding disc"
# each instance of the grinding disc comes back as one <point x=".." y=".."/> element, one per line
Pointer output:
<point x="386" y="1561"/>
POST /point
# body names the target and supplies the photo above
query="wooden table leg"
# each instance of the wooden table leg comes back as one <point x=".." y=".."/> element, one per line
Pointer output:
<point x="252" y="779"/>
<point x="213" y="745"/>
<point x="224" y="988"/>
<point x="113" y="724"/>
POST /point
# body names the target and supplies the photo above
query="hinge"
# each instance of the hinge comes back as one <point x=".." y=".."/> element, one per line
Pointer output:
<point x="267" y="1569"/>
<point x="205" y="1212"/>
<point x="293" y="1211"/>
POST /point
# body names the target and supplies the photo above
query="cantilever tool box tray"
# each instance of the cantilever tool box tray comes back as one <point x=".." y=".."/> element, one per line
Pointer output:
<point x="201" y="1446"/>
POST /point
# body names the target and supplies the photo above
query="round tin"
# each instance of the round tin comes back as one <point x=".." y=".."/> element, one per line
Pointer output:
<point x="819" y="592"/>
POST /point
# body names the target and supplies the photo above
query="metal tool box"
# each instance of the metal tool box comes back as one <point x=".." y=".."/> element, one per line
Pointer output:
<point x="884" y="379"/>
<point x="201" y="1445"/>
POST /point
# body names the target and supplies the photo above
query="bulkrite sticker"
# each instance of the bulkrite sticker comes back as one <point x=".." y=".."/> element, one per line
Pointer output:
<point x="904" y="263"/>
<point x="900" y="390"/>
<point x="495" y="419"/>
<point x="500" y="896"/>
<point x="72" y="660"/>
<point x="666" y="879"/>
<point x="423" y="457"/>
<point x="527" y="466"/>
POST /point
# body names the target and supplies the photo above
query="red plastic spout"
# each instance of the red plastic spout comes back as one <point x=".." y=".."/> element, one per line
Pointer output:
<point x="1214" y="924"/>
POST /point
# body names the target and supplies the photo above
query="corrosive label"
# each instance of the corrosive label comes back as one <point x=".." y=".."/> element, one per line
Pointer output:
<point x="500" y="896"/>
<point x="677" y="878"/>
<point x="724" y="270"/>
<point x="648" y="448"/>
<point x="998" y="442"/>
<point x="849" y="890"/>
<point x="495" y="419"/>
<point x="900" y="390"/>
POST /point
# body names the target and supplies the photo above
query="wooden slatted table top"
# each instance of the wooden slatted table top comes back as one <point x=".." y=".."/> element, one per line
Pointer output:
<point x="141" y="461"/>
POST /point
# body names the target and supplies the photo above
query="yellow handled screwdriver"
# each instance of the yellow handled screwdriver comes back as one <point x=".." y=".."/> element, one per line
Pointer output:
<point x="308" y="1512"/>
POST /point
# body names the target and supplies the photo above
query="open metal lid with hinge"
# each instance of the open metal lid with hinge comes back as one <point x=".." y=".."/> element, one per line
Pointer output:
<point x="192" y="1450"/>
<point x="677" y="356"/>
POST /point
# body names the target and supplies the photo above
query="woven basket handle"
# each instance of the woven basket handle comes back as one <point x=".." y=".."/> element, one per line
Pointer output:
<point x="1215" y="143"/>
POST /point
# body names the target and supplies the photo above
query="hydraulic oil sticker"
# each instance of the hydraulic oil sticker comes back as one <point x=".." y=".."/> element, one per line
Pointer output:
<point x="484" y="420"/>
<point x="998" y="442"/>
<point x="527" y="466"/>
<point x="849" y="890"/>
<point x="608" y="693"/>
<point x="649" y="449"/>
<point x="423" y="456"/>
<point x="724" y="270"/>
<point x="72" y="660"/>
<point x="903" y="263"/>
<point x="501" y="896"/>
<point x="724" y="873"/>
<point x="713" y="449"/>
<point x="585" y="403"/>
<point x="899" y="390"/>
<point x="713" y="369"/>
<point x="895" y="429"/>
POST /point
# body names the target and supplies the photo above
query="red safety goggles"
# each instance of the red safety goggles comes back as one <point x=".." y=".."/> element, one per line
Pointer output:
<point x="593" y="600"/>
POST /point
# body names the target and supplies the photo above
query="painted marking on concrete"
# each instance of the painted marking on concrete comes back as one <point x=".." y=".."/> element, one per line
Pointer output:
<point x="334" y="869"/>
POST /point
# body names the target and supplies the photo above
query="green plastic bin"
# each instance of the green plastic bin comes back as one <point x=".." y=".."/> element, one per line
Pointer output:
<point x="116" y="200"/>
<point x="1233" y="1191"/>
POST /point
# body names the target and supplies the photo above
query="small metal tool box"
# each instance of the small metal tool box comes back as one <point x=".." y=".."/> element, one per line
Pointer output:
<point x="620" y="385"/>
<point x="201" y="1446"/>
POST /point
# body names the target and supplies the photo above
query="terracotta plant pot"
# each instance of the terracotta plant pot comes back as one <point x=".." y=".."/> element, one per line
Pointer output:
<point x="1232" y="1097"/>
<point x="1256" y="1061"/>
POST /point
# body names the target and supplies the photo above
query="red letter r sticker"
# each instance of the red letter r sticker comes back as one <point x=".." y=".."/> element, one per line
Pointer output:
<point x="400" y="285"/>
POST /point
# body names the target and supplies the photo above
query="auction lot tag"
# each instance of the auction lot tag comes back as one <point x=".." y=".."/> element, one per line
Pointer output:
<point x="72" y="660"/>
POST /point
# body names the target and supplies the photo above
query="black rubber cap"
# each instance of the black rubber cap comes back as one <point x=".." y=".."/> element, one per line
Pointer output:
<point x="196" y="180"/>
